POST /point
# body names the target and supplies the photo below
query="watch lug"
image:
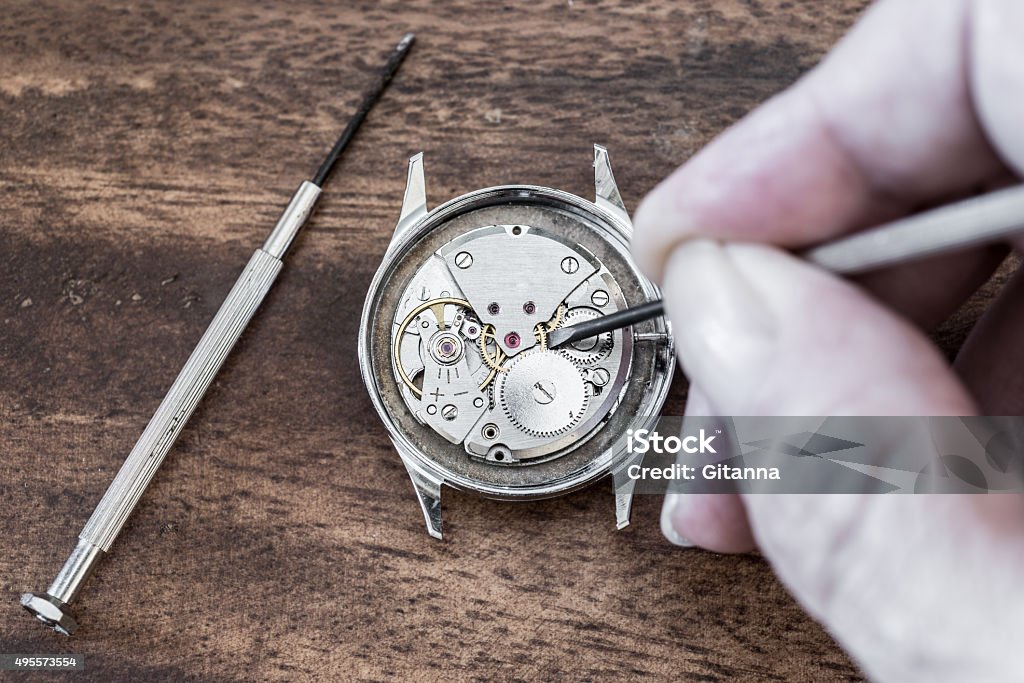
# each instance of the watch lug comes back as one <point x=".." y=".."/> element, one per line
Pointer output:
<point x="414" y="204"/>
<point x="608" y="196"/>
<point x="624" y="486"/>
<point x="428" y="493"/>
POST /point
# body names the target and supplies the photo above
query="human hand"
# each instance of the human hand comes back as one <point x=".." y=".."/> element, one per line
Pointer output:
<point x="920" y="104"/>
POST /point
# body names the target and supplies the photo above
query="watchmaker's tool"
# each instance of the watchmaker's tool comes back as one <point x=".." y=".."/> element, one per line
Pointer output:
<point x="52" y="607"/>
<point x="586" y="329"/>
<point x="969" y="223"/>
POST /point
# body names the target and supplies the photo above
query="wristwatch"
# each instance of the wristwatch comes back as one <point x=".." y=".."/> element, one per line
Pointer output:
<point x="453" y="343"/>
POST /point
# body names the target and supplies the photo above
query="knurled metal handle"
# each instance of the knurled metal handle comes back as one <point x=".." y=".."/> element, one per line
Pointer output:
<point x="182" y="398"/>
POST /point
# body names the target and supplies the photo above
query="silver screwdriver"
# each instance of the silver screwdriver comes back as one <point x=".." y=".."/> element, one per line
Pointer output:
<point x="968" y="223"/>
<point x="53" y="607"/>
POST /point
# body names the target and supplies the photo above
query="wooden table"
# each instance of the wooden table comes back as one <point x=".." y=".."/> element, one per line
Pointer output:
<point x="146" y="149"/>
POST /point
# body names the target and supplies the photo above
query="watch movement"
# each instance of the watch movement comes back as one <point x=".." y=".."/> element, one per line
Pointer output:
<point x="454" y="342"/>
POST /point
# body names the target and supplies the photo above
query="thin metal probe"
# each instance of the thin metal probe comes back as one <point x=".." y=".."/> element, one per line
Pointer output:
<point x="53" y="607"/>
<point x="968" y="223"/>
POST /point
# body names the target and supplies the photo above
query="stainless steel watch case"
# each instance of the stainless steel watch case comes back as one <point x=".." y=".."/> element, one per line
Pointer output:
<point x="608" y="215"/>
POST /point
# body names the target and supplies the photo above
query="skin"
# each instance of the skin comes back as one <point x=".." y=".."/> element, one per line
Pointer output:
<point x="919" y="105"/>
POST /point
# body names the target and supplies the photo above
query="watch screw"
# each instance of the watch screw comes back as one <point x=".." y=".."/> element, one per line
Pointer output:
<point x="449" y="412"/>
<point x="599" y="298"/>
<point x="463" y="259"/>
<point x="570" y="265"/>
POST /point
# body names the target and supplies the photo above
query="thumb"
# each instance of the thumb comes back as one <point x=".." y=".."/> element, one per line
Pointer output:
<point x="760" y="332"/>
<point x="764" y="333"/>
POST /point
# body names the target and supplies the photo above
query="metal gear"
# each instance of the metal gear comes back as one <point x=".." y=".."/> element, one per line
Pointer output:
<point x="541" y="333"/>
<point x="557" y="319"/>
<point x="495" y="363"/>
<point x="586" y="352"/>
<point x="543" y="393"/>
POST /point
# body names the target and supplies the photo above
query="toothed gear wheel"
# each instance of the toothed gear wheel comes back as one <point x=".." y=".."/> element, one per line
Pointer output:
<point x="543" y="393"/>
<point x="586" y="352"/>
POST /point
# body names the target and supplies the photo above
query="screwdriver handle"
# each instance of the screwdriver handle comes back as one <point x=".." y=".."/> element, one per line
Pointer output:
<point x="195" y="378"/>
<point x="968" y="223"/>
<point x="181" y="400"/>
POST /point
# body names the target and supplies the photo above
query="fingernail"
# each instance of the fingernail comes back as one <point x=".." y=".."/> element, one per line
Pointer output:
<point x="723" y="329"/>
<point x="668" y="510"/>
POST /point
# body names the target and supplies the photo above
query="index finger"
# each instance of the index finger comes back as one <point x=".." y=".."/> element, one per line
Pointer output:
<point x="882" y="125"/>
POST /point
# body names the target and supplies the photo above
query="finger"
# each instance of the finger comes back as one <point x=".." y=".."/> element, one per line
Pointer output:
<point x="714" y="521"/>
<point x="763" y="333"/>
<point x="856" y="142"/>
<point x="996" y="76"/>
<point x="916" y="588"/>
<point x="991" y="361"/>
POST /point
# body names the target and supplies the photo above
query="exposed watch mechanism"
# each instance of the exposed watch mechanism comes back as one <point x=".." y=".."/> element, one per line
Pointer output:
<point x="488" y="380"/>
<point x="454" y="342"/>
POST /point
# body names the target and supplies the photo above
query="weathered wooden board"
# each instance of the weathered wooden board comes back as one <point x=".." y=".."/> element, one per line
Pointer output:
<point x="146" y="149"/>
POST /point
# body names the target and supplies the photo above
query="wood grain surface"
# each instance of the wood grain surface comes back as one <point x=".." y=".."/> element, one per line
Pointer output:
<point x="147" y="148"/>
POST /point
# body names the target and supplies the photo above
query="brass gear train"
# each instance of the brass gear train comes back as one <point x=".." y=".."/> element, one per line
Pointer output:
<point x="495" y="362"/>
<point x="437" y="306"/>
<point x="540" y="331"/>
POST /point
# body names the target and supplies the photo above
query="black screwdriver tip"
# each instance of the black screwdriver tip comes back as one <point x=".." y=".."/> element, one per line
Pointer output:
<point x="369" y="99"/>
